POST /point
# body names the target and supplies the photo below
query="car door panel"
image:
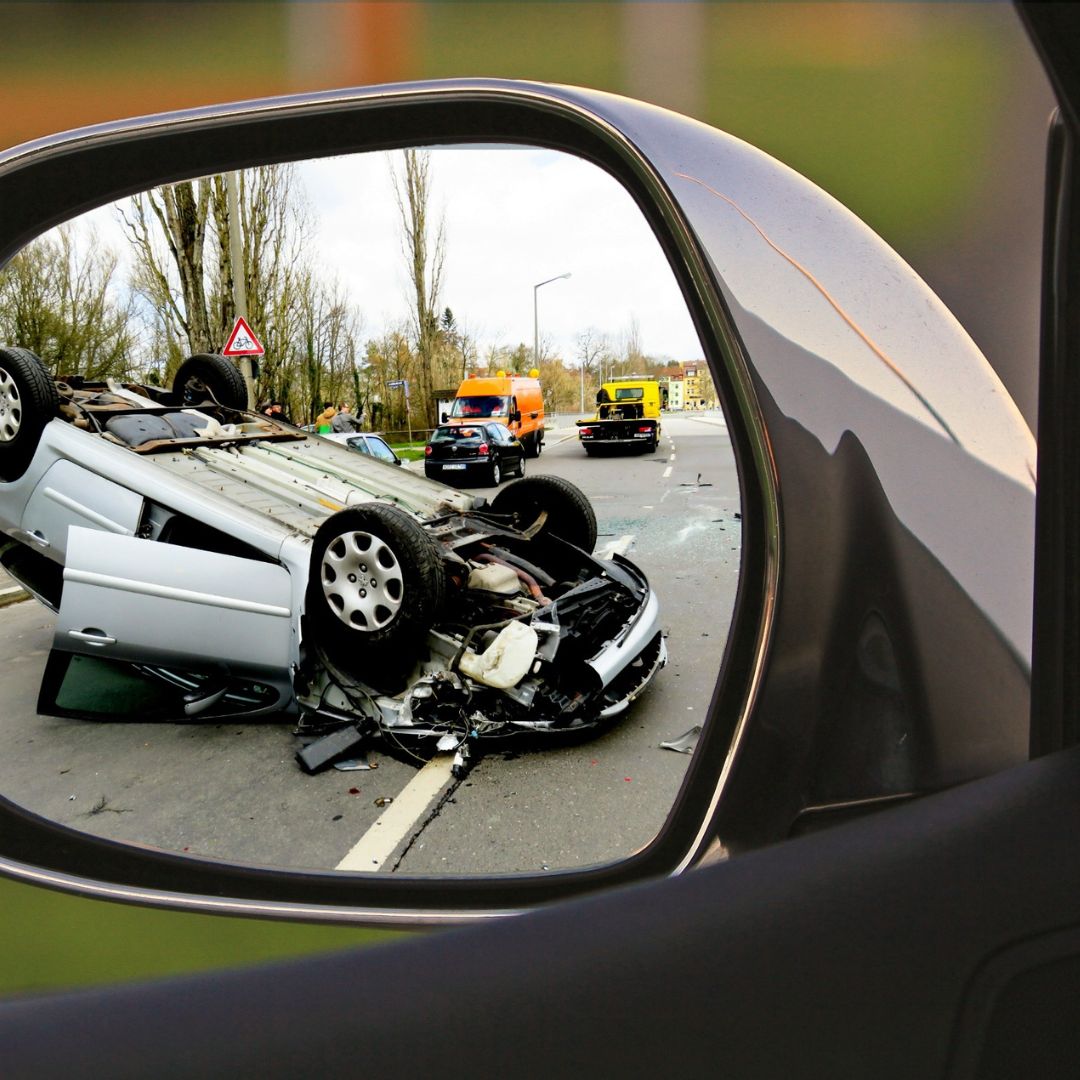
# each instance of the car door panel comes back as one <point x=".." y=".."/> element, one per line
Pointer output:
<point x="144" y="601"/>
<point x="70" y="495"/>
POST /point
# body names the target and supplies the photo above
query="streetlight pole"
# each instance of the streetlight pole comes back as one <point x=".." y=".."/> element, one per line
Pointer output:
<point x="536" y="320"/>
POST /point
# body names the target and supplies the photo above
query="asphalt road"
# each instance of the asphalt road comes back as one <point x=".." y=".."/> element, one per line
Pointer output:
<point x="233" y="791"/>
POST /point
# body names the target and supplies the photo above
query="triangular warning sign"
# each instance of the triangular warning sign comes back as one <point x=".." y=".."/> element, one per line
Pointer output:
<point x="242" y="341"/>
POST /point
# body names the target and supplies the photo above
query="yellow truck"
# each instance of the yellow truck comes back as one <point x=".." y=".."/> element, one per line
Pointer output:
<point x="627" y="415"/>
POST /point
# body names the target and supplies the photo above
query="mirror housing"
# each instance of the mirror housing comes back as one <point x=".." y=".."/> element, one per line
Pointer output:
<point x="869" y="604"/>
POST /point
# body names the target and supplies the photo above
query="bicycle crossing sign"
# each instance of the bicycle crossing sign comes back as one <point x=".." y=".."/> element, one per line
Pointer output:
<point x="242" y="341"/>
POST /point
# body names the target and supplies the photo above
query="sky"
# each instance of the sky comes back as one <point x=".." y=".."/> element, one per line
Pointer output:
<point x="512" y="217"/>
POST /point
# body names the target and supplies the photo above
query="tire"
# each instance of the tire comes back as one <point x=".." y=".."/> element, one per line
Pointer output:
<point x="374" y="625"/>
<point x="570" y="514"/>
<point x="209" y="377"/>
<point x="495" y="475"/>
<point x="521" y="467"/>
<point x="28" y="401"/>
<point x="650" y="447"/>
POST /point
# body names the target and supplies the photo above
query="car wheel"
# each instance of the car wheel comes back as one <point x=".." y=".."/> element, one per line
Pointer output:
<point x="569" y="513"/>
<point x="496" y="474"/>
<point x="651" y="446"/>
<point x="377" y="583"/>
<point x="209" y="377"/>
<point x="521" y="467"/>
<point x="28" y="401"/>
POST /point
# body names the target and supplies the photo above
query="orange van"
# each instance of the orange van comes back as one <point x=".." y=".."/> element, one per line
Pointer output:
<point x="513" y="400"/>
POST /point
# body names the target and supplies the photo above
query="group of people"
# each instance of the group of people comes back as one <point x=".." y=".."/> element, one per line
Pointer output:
<point x="333" y="418"/>
<point x="338" y="419"/>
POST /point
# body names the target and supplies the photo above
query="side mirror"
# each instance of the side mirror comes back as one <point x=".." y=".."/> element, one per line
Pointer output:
<point x="445" y="416"/>
<point x="812" y="654"/>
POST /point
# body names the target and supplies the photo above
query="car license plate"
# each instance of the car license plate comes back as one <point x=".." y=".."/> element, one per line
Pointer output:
<point x="459" y="466"/>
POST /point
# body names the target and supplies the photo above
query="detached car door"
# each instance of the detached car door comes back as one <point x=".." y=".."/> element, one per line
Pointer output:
<point x="129" y="603"/>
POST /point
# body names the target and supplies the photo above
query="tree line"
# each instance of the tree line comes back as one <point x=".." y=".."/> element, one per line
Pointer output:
<point x="65" y="298"/>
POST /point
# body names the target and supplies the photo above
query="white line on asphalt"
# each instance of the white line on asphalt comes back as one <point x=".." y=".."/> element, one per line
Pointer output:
<point x="667" y="471"/>
<point x="391" y="827"/>
<point x="615" y="547"/>
<point x="672" y="458"/>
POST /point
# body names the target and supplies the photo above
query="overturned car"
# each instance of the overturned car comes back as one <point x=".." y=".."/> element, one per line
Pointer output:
<point x="211" y="562"/>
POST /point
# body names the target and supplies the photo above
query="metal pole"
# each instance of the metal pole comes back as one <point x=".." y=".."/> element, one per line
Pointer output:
<point x="236" y="257"/>
<point x="536" y="320"/>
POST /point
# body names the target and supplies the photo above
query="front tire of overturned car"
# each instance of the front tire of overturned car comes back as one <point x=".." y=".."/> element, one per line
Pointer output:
<point x="28" y="401"/>
<point x="570" y="515"/>
<point x="208" y="376"/>
<point x="377" y="583"/>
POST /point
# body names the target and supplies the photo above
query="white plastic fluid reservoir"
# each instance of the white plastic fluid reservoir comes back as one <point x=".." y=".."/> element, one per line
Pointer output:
<point x="506" y="661"/>
<point x="495" y="578"/>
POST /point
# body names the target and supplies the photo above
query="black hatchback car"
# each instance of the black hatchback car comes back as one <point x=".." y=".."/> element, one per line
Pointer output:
<point x="480" y="453"/>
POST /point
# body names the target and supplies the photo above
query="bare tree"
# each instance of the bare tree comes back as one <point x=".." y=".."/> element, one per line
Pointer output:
<point x="59" y="300"/>
<point x="273" y="228"/>
<point x="183" y="266"/>
<point x="594" y="355"/>
<point x="176" y="214"/>
<point x="424" y="249"/>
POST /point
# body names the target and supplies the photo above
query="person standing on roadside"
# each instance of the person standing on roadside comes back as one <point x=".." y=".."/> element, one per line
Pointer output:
<point x="344" y="420"/>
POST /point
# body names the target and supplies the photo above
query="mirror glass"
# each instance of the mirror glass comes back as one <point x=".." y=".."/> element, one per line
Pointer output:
<point x="238" y="657"/>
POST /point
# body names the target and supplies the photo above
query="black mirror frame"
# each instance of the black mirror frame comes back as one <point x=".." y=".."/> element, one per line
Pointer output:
<point x="49" y="181"/>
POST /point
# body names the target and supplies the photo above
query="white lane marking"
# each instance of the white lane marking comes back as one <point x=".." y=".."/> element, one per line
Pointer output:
<point x="672" y="458"/>
<point x="392" y="826"/>
<point x="615" y="547"/>
<point x="667" y="471"/>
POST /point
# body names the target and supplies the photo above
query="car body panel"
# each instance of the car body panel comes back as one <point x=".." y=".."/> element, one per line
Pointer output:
<point x="197" y="610"/>
<point x="54" y="506"/>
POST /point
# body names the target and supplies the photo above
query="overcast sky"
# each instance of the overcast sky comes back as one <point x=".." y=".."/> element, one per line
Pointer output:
<point x="513" y="217"/>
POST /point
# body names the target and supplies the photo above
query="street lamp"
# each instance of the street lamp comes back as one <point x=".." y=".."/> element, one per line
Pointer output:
<point x="536" y="321"/>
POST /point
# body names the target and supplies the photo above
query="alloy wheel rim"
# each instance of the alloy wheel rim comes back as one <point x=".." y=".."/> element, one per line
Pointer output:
<point x="10" y="407"/>
<point x="362" y="581"/>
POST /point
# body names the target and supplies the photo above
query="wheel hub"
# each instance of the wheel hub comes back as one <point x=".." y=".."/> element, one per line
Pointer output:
<point x="195" y="392"/>
<point x="362" y="581"/>
<point x="10" y="407"/>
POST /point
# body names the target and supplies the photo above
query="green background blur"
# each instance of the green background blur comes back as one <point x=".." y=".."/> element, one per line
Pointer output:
<point x="927" y="119"/>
